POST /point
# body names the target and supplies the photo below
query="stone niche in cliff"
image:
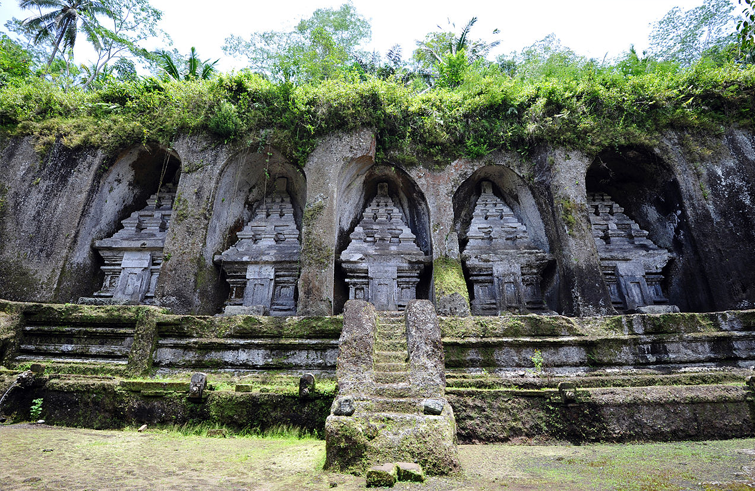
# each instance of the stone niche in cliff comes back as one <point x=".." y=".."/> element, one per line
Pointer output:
<point x="503" y="264"/>
<point x="631" y="262"/>
<point x="133" y="255"/>
<point x="262" y="268"/>
<point x="382" y="261"/>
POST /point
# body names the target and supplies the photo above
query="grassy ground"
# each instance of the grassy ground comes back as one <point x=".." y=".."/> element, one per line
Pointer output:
<point x="42" y="457"/>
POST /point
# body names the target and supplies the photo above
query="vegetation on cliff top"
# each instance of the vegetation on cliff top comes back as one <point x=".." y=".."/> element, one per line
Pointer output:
<point x="593" y="109"/>
<point x="449" y="105"/>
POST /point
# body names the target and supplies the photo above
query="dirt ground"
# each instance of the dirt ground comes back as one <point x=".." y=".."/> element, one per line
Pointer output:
<point x="44" y="457"/>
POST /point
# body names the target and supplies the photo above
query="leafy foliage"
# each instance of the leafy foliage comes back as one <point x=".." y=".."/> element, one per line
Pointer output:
<point x="319" y="48"/>
<point x="447" y="56"/>
<point x="15" y="61"/>
<point x="746" y="30"/>
<point x="685" y="35"/>
<point x="588" y="107"/>
<point x="191" y="68"/>
<point x="61" y="24"/>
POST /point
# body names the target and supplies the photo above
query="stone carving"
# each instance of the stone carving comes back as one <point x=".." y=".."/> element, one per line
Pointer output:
<point x="263" y="266"/>
<point x="382" y="262"/>
<point x="134" y="254"/>
<point x="631" y="262"/>
<point x="504" y="265"/>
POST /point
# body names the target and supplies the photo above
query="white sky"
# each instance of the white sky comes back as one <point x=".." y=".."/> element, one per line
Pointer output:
<point x="592" y="28"/>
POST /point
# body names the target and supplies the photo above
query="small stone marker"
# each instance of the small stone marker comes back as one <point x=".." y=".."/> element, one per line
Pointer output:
<point x="306" y="386"/>
<point x="433" y="407"/>
<point x="410" y="472"/>
<point x="382" y="476"/>
<point x="568" y="391"/>
<point x="142" y="428"/>
<point x="197" y="385"/>
<point x="344" y="406"/>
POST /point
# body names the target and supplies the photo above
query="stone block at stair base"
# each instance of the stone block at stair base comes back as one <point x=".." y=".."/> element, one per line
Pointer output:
<point x="410" y="472"/>
<point x="355" y="443"/>
<point x="382" y="476"/>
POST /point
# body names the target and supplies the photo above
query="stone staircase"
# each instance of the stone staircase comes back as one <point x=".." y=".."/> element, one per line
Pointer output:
<point x="381" y="413"/>
<point x="391" y="362"/>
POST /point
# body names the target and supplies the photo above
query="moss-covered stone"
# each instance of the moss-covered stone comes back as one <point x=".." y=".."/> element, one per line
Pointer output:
<point x="451" y="294"/>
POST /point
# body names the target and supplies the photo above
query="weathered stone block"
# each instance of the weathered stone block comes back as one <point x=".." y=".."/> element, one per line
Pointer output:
<point x="433" y="407"/>
<point x="356" y="442"/>
<point x="382" y="476"/>
<point x="343" y="406"/>
<point x="410" y="472"/>
<point x="426" y="356"/>
<point x="306" y="386"/>
<point x="197" y="385"/>
<point x="356" y="347"/>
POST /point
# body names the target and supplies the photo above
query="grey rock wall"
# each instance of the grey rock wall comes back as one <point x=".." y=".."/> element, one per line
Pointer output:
<point x="694" y="194"/>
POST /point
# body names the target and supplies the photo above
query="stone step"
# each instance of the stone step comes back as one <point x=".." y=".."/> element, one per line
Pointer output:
<point x="392" y="336"/>
<point x="74" y="350"/>
<point x="397" y="390"/>
<point x="391" y="377"/>
<point x="83" y="332"/>
<point x="391" y="367"/>
<point x="391" y="314"/>
<point x="388" y="345"/>
<point x="390" y="356"/>
<point x="392" y="405"/>
<point x="65" y="359"/>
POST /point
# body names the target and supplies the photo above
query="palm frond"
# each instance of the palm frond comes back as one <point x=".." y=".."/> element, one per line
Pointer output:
<point x="462" y="41"/>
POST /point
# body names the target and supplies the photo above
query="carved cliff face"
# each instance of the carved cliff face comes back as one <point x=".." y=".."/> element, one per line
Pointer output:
<point x="631" y="262"/>
<point x="133" y="255"/>
<point x="262" y="267"/>
<point x="382" y="262"/>
<point x="504" y="266"/>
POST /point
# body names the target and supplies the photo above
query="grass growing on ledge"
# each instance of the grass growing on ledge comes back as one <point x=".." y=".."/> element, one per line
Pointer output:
<point x="589" y="108"/>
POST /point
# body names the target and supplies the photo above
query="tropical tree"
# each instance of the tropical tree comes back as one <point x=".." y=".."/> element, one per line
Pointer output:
<point x="685" y="36"/>
<point x="127" y="25"/>
<point x="62" y="23"/>
<point x="15" y="61"/>
<point x="192" y="68"/>
<point x="746" y="30"/>
<point x="445" y="56"/>
<point x="319" y="48"/>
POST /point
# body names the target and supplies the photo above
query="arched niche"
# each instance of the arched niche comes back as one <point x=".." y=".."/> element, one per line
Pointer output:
<point x="245" y="181"/>
<point x="125" y="187"/>
<point x="508" y="187"/>
<point x="648" y="191"/>
<point x="358" y="186"/>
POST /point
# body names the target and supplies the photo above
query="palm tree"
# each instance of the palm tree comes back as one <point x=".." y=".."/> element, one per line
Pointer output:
<point x="195" y="68"/>
<point x="438" y="44"/>
<point x="63" y="21"/>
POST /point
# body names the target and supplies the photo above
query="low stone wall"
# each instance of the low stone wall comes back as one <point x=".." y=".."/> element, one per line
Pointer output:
<point x="664" y="413"/>
<point x="612" y="414"/>
<point x="106" y="403"/>
<point x="565" y="344"/>
<point x="135" y="339"/>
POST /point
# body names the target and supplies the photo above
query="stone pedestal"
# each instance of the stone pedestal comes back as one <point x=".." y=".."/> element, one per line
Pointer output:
<point x="262" y="267"/>
<point x="133" y="255"/>
<point x="504" y="266"/>
<point x="382" y="262"/>
<point x="631" y="263"/>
